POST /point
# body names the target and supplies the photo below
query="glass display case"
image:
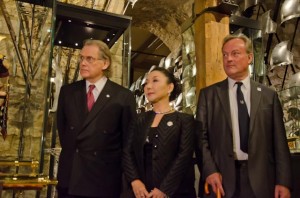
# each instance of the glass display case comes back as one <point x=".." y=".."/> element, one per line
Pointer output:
<point x="41" y="52"/>
<point x="27" y="49"/>
<point x="181" y="63"/>
<point x="189" y="72"/>
<point x="290" y="100"/>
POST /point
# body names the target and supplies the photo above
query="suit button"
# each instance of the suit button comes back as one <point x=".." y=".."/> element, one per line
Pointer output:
<point x="155" y="146"/>
<point x="95" y="153"/>
<point x="77" y="150"/>
<point x="104" y="131"/>
<point x="156" y="135"/>
<point x="72" y="128"/>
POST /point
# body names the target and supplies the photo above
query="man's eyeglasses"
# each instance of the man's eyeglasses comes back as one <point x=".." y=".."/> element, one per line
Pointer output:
<point x="88" y="59"/>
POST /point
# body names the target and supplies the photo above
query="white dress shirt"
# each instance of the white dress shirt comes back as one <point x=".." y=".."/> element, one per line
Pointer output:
<point x="98" y="86"/>
<point x="246" y="87"/>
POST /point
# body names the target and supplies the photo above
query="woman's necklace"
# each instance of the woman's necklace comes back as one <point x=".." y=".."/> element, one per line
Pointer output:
<point x="163" y="112"/>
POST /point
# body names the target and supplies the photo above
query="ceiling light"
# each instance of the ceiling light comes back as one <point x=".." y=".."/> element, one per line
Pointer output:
<point x="89" y="29"/>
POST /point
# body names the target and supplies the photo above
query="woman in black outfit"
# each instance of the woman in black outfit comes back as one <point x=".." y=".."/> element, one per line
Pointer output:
<point x="158" y="159"/>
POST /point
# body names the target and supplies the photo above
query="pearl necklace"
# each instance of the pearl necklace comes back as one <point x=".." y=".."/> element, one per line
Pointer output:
<point x="164" y="112"/>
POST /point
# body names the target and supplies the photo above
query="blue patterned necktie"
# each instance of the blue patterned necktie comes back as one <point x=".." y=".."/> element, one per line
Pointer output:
<point x="243" y="118"/>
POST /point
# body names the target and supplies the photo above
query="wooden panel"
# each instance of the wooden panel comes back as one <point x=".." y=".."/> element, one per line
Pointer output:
<point x="210" y="29"/>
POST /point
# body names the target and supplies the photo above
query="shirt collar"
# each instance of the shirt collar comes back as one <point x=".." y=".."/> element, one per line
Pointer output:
<point x="100" y="83"/>
<point x="246" y="82"/>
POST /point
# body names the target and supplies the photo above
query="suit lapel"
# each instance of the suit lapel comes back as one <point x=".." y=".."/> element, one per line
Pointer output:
<point x="80" y="98"/>
<point x="256" y="90"/>
<point x="223" y="94"/>
<point x="105" y="95"/>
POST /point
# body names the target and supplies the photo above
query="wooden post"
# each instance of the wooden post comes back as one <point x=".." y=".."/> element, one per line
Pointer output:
<point x="210" y="29"/>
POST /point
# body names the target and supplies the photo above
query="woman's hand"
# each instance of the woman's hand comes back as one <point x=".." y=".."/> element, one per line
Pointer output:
<point x="156" y="193"/>
<point x="139" y="189"/>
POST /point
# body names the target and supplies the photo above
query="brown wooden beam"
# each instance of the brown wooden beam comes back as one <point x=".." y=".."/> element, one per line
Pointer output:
<point x="210" y="29"/>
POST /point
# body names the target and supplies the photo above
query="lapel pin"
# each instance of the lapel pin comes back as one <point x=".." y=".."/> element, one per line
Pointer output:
<point x="242" y="101"/>
<point x="107" y="96"/>
<point x="258" y="89"/>
<point x="170" y="123"/>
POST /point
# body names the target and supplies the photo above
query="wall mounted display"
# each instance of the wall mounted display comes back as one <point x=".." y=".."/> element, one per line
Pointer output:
<point x="41" y="42"/>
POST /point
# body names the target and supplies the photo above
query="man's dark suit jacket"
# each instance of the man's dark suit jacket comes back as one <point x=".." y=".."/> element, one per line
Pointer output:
<point x="92" y="142"/>
<point x="173" y="169"/>
<point x="268" y="157"/>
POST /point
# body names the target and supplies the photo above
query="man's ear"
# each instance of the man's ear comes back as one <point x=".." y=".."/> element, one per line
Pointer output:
<point x="106" y="64"/>
<point x="250" y="58"/>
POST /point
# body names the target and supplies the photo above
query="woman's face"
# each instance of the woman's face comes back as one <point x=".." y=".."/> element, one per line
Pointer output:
<point x="157" y="87"/>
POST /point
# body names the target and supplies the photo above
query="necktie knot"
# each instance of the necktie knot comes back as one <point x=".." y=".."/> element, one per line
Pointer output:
<point x="91" y="88"/>
<point x="90" y="97"/>
<point x="239" y="84"/>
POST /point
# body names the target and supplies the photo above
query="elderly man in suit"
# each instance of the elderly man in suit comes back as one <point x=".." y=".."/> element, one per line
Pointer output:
<point x="92" y="121"/>
<point x="242" y="139"/>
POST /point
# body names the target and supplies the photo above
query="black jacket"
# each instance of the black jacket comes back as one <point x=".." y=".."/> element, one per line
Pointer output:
<point x="173" y="146"/>
<point x="269" y="160"/>
<point x="92" y="143"/>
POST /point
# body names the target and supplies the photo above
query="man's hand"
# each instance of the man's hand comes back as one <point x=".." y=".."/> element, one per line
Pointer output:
<point x="156" y="193"/>
<point x="139" y="189"/>
<point x="215" y="180"/>
<point x="282" y="192"/>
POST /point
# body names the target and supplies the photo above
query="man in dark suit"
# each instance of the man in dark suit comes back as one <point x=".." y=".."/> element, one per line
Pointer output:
<point x="258" y="166"/>
<point x="92" y="120"/>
